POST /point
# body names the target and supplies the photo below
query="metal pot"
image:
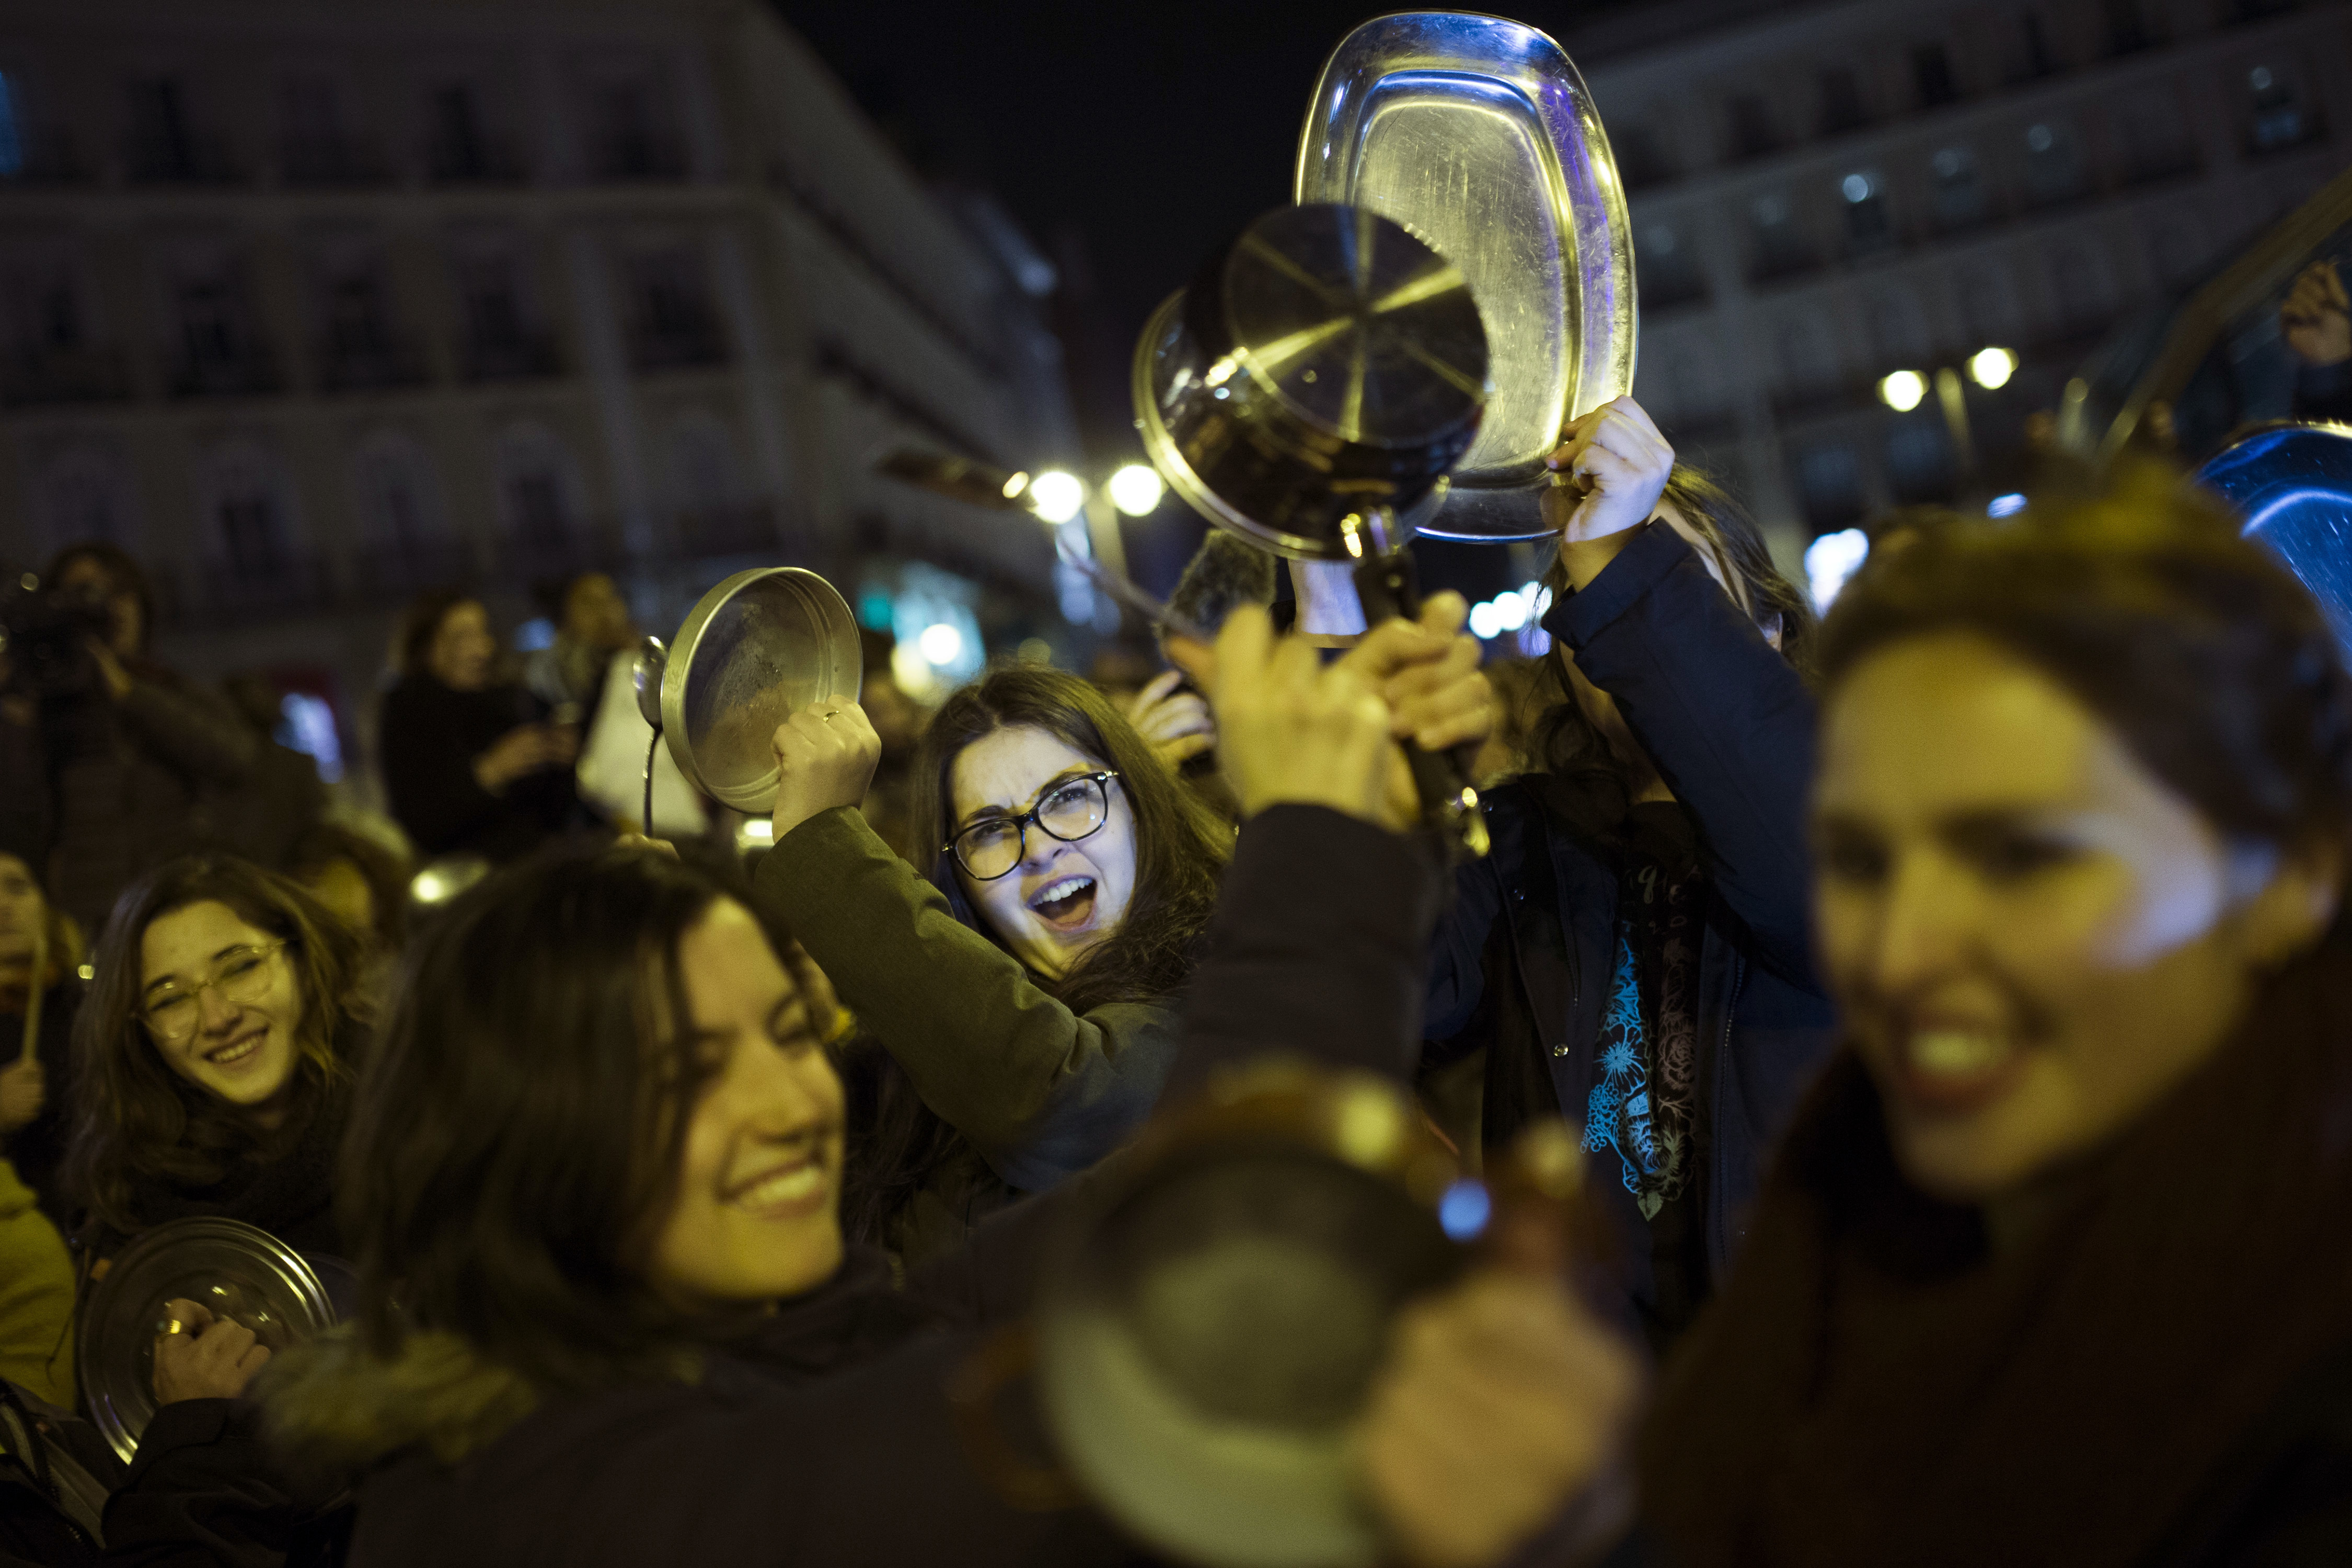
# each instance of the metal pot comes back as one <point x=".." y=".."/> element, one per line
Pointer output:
<point x="1324" y="366"/>
<point x="756" y="649"/>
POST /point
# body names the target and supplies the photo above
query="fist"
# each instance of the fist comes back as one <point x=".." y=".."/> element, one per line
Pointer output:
<point x="1501" y="1403"/>
<point x="1175" y="724"/>
<point x="1607" y="475"/>
<point x="825" y="756"/>
<point x="2317" y="318"/>
<point x="208" y="1358"/>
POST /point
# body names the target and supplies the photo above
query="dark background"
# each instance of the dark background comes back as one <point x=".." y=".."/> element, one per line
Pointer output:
<point x="1127" y="138"/>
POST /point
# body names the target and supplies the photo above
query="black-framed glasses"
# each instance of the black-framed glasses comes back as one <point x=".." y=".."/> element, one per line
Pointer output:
<point x="1069" y="811"/>
<point x="242" y="978"/>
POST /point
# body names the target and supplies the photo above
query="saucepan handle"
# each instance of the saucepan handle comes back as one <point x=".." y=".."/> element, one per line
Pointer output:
<point x="1387" y="586"/>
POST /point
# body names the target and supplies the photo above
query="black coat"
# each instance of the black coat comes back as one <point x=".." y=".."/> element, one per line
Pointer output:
<point x="1524" y="957"/>
<point x="828" y="1439"/>
<point x="292" y="1194"/>
<point x="428" y="742"/>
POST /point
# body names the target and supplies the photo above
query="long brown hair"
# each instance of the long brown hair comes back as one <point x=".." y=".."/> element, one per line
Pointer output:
<point x="1564" y="743"/>
<point x="136" y="1120"/>
<point x="1181" y="849"/>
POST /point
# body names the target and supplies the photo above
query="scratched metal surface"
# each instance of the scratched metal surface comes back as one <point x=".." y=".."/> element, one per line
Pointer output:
<point x="2292" y="485"/>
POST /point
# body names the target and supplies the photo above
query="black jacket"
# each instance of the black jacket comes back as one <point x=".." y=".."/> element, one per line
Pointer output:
<point x="1524" y="957"/>
<point x="828" y="1439"/>
<point x="38" y="1148"/>
<point x="429" y="740"/>
<point x="292" y="1194"/>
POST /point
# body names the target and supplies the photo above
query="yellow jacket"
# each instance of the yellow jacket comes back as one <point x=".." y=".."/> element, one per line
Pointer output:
<point x="37" y="1297"/>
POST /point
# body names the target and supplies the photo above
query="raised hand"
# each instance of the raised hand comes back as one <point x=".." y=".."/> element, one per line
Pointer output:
<point x="1427" y="673"/>
<point x="1291" y="730"/>
<point x="825" y="756"/>
<point x="23" y="1092"/>
<point x="2317" y="317"/>
<point x="207" y="1358"/>
<point x="1177" y="725"/>
<point x="1610" y="469"/>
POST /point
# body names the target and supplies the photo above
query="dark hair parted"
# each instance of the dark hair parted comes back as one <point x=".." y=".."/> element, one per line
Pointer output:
<point x="516" y="1133"/>
<point x="421" y="623"/>
<point x="2143" y="600"/>
<point x="1564" y="743"/>
<point x="137" y="1121"/>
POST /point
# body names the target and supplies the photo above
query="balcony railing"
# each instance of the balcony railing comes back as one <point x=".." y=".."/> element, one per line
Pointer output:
<point x="183" y="160"/>
<point x="473" y="160"/>
<point x="250" y="373"/>
<point x="39" y="375"/>
<point x="525" y="356"/>
<point x="678" y="345"/>
<point x="637" y="157"/>
<point x="342" y="161"/>
<point x="375" y="365"/>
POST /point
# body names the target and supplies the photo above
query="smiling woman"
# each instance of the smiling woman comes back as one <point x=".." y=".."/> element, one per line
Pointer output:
<point x="214" y="1057"/>
<point x="2052" y="1265"/>
<point x="1019" y="1041"/>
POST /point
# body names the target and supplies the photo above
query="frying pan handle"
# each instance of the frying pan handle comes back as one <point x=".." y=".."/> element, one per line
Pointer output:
<point x="995" y="1364"/>
<point x="1386" y="585"/>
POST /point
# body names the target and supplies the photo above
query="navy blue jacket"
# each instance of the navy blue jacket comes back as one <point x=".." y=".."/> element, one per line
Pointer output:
<point x="1523" y="959"/>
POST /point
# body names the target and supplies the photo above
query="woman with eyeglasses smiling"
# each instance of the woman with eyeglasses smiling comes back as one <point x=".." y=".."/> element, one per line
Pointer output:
<point x="1016" y="1008"/>
<point x="212" y="1058"/>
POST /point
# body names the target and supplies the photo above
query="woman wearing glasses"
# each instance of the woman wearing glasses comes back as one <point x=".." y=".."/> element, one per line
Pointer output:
<point x="212" y="1058"/>
<point x="1016" y="1009"/>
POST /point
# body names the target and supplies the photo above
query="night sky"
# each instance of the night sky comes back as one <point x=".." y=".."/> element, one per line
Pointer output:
<point x="1129" y="138"/>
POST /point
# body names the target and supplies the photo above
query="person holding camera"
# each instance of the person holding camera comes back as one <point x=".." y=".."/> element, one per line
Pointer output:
<point x="133" y="762"/>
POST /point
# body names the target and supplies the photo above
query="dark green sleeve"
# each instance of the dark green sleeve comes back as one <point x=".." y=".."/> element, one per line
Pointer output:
<point x="1041" y="1091"/>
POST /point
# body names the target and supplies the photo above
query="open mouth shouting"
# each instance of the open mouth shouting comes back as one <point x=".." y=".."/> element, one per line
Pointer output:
<point x="1065" y="903"/>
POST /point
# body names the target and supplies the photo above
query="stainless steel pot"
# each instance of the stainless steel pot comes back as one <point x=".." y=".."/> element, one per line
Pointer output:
<point x="1324" y="366"/>
<point x="754" y="651"/>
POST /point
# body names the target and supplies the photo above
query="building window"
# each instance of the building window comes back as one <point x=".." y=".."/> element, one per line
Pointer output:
<point x="250" y="536"/>
<point x="358" y="346"/>
<point x="1779" y="245"/>
<point x="1867" y="227"/>
<point x="217" y="354"/>
<point x="1931" y="73"/>
<point x="12" y="138"/>
<point x="1919" y="460"/>
<point x="2038" y="62"/>
<point x="2126" y="26"/>
<point x="165" y="145"/>
<point x="2053" y="161"/>
<point x="1841" y="101"/>
<point x="676" y="323"/>
<point x="535" y="501"/>
<point x="1669" y="269"/>
<point x="2278" y="118"/>
<point x="1829" y="487"/>
<point x="1959" y="187"/>
<point x="630" y="137"/>
<point x="1640" y="159"/>
<point x="315" y="146"/>
<point x="460" y="147"/>
<point x="1752" y="132"/>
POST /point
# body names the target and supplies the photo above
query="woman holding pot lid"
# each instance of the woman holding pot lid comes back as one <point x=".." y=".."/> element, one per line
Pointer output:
<point x="213" y="1058"/>
<point x="1634" y="952"/>
<point x="598" y="1158"/>
<point x="1018" y="1003"/>
<point x="2051" y="1265"/>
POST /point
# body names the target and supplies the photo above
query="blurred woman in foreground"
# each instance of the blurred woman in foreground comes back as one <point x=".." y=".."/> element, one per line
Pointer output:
<point x="2051" y="1268"/>
<point x="598" y="1161"/>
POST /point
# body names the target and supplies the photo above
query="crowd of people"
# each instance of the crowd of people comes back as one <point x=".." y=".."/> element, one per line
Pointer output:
<point x="1947" y="999"/>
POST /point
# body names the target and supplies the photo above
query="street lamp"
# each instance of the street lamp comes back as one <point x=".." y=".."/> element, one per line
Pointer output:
<point x="1055" y="496"/>
<point x="1136" y="489"/>
<point x="1902" y="390"/>
<point x="1991" y="368"/>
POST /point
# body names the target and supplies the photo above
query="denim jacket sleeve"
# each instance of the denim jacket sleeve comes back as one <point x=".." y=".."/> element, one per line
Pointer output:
<point x="1727" y="721"/>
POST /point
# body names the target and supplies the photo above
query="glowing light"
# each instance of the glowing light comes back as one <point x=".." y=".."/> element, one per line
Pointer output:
<point x="759" y="830"/>
<point x="940" y="643"/>
<point x="1057" y="496"/>
<point x="1486" y="622"/>
<point x="1902" y="390"/>
<point x="1510" y="611"/>
<point x="1856" y="188"/>
<point x="2009" y="505"/>
<point x="1014" y="484"/>
<point x="1136" y="489"/>
<point x="87" y="970"/>
<point x="1832" y="560"/>
<point x="1463" y="1211"/>
<point x="1991" y="368"/>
